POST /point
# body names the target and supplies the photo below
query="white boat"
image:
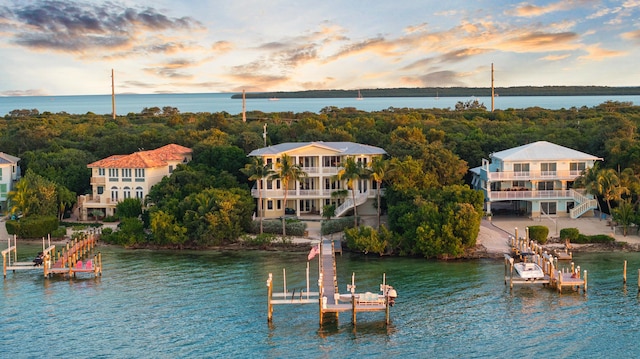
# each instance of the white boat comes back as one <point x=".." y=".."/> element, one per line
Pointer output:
<point x="528" y="270"/>
<point x="359" y="96"/>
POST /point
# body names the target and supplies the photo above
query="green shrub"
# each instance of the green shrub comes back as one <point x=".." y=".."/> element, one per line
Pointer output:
<point x="260" y="240"/>
<point x="294" y="226"/>
<point x="366" y="239"/>
<point x="32" y="226"/>
<point x="61" y="232"/>
<point x="336" y="225"/>
<point x="539" y="234"/>
<point x="569" y="233"/>
<point x="598" y="238"/>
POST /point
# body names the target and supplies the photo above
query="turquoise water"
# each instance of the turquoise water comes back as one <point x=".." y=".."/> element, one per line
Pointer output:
<point x="218" y="102"/>
<point x="213" y="304"/>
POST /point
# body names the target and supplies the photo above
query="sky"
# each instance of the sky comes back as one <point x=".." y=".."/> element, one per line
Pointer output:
<point x="203" y="46"/>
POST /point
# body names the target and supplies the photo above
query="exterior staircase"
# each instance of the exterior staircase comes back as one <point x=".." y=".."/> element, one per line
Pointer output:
<point x="348" y="204"/>
<point x="585" y="204"/>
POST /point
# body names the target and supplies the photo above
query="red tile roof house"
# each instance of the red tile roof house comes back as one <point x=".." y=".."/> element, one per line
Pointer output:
<point x="128" y="176"/>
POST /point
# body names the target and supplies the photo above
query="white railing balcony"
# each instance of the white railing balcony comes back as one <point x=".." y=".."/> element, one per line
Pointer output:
<point x="532" y="175"/>
<point x="329" y="170"/>
<point x="311" y="170"/>
<point x="528" y="195"/>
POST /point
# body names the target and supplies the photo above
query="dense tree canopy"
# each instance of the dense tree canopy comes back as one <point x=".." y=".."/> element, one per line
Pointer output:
<point x="431" y="212"/>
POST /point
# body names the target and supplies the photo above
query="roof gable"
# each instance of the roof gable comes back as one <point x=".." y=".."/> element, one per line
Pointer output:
<point x="8" y="159"/>
<point x="541" y="151"/>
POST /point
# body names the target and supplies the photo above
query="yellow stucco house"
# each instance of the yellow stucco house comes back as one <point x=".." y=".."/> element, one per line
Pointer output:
<point x="129" y="176"/>
<point x="321" y="162"/>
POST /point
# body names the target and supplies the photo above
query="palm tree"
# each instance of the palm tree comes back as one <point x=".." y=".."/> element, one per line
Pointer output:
<point x="378" y="169"/>
<point x="630" y="181"/>
<point x="256" y="170"/>
<point x="608" y="185"/>
<point x="351" y="172"/>
<point x="286" y="171"/>
<point x="624" y="214"/>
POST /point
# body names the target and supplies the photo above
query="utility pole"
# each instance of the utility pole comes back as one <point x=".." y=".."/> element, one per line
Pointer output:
<point x="113" y="96"/>
<point x="264" y="134"/>
<point x="492" y="91"/>
<point x="244" y="107"/>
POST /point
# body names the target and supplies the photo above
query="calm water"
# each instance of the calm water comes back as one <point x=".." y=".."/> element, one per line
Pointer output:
<point x="213" y="304"/>
<point x="218" y="102"/>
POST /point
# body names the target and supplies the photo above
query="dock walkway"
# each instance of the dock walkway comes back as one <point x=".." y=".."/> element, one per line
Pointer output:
<point x="330" y="301"/>
<point x="68" y="262"/>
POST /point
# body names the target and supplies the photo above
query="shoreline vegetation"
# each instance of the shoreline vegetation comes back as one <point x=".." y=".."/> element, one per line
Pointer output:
<point x="450" y="92"/>
<point x="432" y="211"/>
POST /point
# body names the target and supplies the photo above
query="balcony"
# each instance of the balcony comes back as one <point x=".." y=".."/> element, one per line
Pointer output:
<point x="529" y="195"/>
<point x="533" y="175"/>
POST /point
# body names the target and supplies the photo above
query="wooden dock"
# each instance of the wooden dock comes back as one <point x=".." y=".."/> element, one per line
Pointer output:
<point x="554" y="277"/>
<point x="66" y="262"/>
<point x="328" y="298"/>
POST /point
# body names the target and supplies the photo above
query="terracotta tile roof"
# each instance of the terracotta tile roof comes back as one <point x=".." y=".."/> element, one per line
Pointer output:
<point x="144" y="159"/>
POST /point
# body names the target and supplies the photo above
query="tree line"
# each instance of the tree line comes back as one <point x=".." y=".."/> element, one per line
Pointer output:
<point x="431" y="211"/>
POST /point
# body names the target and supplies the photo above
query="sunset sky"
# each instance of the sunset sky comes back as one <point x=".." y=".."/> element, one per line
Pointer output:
<point x="181" y="46"/>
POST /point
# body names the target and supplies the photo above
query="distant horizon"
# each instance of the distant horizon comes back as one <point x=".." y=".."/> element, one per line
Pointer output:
<point x="328" y="90"/>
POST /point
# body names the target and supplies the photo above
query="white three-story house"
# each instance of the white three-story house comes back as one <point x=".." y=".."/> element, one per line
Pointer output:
<point x="321" y="162"/>
<point x="536" y="180"/>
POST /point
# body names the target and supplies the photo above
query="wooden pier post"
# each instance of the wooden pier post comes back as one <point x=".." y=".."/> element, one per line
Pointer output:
<point x="638" y="281"/>
<point x="585" y="282"/>
<point x="624" y="273"/>
<point x="269" y="293"/>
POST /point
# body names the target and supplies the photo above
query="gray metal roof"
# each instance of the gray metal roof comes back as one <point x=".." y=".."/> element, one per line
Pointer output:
<point x="542" y="150"/>
<point x="8" y="159"/>
<point x="342" y="148"/>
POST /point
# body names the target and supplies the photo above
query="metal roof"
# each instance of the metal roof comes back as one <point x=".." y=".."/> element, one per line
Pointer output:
<point x="540" y="151"/>
<point x="343" y="148"/>
<point x="8" y="159"/>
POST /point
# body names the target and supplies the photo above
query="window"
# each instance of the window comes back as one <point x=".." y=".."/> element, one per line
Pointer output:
<point x="330" y="161"/>
<point x="278" y="204"/>
<point x="521" y="169"/>
<point x="139" y="172"/>
<point x="270" y="205"/>
<point x="139" y="193"/>
<point x="577" y="168"/>
<point x="328" y="184"/>
<point x="548" y="207"/>
<point x="518" y="184"/>
<point x="113" y="174"/>
<point x="269" y="184"/>
<point x="100" y="190"/>
<point x="548" y="169"/>
<point x="114" y="194"/>
<point x="100" y="171"/>
<point x="3" y="188"/>
<point x="170" y="168"/>
<point x="127" y="192"/>
<point x="126" y="174"/>
<point x="545" y="186"/>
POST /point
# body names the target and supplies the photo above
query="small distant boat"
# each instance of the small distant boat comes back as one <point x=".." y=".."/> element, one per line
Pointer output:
<point x="274" y="99"/>
<point x="528" y="270"/>
<point x="359" y="96"/>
